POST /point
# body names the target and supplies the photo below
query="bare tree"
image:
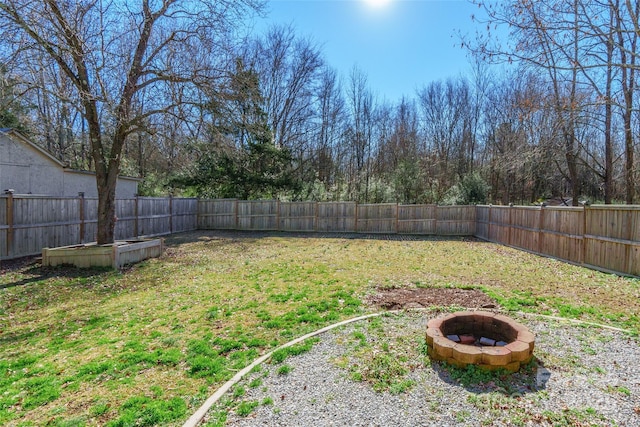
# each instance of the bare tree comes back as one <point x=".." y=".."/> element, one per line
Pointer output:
<point x="627" y="31"/>
<point x="589" y="52"/>
<point x="409" y="177"/>
<point x="445" y="114"/>
<point x="112" y="52"/>
<point x="331" y="108"/>
<point x="289" y="68"/>
<point x="359" y="133"/>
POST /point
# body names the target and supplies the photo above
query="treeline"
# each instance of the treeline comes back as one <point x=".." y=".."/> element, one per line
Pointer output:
<point x="276" y="120"/>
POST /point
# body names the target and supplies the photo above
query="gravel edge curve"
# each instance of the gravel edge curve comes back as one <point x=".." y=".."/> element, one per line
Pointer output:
<point x="199" y="414"/>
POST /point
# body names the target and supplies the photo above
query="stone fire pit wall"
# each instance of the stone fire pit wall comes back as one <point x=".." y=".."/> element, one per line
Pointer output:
<point x="517" y="348"/>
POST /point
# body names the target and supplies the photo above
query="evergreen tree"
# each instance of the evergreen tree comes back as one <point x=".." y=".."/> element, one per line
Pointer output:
<point x="244" y="163"/>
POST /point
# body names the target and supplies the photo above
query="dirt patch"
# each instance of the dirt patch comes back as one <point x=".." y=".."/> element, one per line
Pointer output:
<point x="17" y="264"/>
<point x="394" y="299"/>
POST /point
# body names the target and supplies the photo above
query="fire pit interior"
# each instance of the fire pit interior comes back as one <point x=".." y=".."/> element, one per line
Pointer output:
<point x="490" y="341"/>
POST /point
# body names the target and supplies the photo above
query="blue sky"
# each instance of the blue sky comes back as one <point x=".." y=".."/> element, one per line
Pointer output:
<point x="400" y="46"/>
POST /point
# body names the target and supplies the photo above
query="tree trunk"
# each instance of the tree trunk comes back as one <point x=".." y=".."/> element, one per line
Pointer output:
<point x="573" y="169"/>
<point x="628" y="144"/>
<point x="608" y="144"/>
<point x="608" y="115"/>
<point x="628" y="87"/>
<point x="106" y="210"/>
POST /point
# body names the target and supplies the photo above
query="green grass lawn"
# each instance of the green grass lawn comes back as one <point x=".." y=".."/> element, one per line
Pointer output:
<point x="148" y="345"/>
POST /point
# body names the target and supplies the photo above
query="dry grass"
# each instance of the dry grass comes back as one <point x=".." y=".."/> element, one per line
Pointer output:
<point x="147" y="345"/>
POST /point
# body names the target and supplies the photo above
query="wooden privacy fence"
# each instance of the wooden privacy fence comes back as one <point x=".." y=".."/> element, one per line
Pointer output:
<point x="604" y="237"/>
<point x="30" y="223"/>
<point x="331" y="217"/>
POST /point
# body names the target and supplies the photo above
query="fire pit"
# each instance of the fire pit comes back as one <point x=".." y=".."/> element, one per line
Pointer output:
<point x="490" y="341"/>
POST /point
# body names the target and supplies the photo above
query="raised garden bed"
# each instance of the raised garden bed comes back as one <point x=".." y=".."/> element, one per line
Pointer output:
<point x="115" y="255"/>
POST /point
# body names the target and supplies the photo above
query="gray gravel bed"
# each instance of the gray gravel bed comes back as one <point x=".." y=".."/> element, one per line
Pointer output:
<point x="581" y="376"/>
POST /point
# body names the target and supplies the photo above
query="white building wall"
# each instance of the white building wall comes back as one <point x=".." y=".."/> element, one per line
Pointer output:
<point x="28" y="170"/>
<point x="25" y="170"/>
<point x="127" y="188"/>
<point x="76" y="182"/>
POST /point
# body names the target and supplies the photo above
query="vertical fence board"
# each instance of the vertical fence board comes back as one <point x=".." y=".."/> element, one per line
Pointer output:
<point x="91" y="220"/>
<point x="126" y="215"/>
<point x="4" y="227"/>
<point x="499" y="224"/>
<point x="482" y="222"/>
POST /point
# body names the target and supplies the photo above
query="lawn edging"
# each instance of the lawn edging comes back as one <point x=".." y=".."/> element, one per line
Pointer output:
<point x="197" y="417"/>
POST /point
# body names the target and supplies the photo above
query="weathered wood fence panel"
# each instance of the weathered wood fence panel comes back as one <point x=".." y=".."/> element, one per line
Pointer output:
<point x="377" y="218"/>
<point x="525" y="231"/>
<point x="153" y="216"/>
<point x="455" y="220"/>
<point x="482" y="222"/>
<point x="184" y="215"/>
<point x="39" y="221"/>
<point x="4" y="227"/>
<point x="337" y="217"/>
<point x="257" y="215"/>
<point x="29" y="223"/>
<point x="90" y="221"/>
<point x="604" y="237"/>
<point x="612" y="238"/>
<point x="562" y="233"/>
<point x="499" y="224"/>
<point x="297" y="216"/>
<point x="417" y="219"/>
<point x="127" y="220"/>
<point x="218" y="214"/>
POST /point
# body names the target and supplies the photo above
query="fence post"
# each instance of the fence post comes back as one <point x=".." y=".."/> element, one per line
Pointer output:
<point x="475" y="220"/>
<point x="135" y="216"/>
<point x="397" y="216"/>
<point x="510" y="224"/>
<point x="198" y="214"/>
<point x="583" y="258"/>
<point x="81" y="214"/>
<point x="10" y="232"/>
<point x="235" y="208"/>
<point x="171" y="213"/>
<point x="627" y="246"/>
<point x="278" y="215"/>
<point x="540" y="229"/>
<point x="317" y="213"/>
<point x="356" y="218"/>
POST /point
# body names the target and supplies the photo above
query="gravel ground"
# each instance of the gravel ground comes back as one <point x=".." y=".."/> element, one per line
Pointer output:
<point x="581" y="376"/>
